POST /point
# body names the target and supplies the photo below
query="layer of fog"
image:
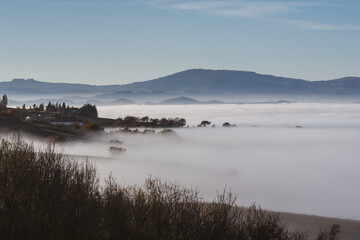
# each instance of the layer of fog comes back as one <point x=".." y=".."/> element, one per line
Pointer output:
<point x="279" y="115"/>
<point x="314" y="169"/>
<point x="265" y="159"/>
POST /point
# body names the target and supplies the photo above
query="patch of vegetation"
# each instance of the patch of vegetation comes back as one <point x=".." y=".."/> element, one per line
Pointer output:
<point x="168" y="132"/>
<point x="92" y="127"/>
<point x="116" y="150"/>
<point x="55" y="139"/>
<point x="116" y="142"/>
<point x="88" y="110"/>
<point x="226" y="124"/>
<point x="45" y="196"/>
<point x="11" y="113"/>
<point x="332" y="234"/>
<point x="144" y="132"/>
<point x="204" y="123"/>
<point x="131" y="121"/>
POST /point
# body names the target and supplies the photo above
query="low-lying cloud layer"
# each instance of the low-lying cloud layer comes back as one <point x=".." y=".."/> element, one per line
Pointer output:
<point x="265" y="159"/>
<point x="312" y="171"/>
<point x="280" y="115"/>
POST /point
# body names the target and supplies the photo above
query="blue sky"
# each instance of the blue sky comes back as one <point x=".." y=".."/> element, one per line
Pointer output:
<point x="121" y="41"/>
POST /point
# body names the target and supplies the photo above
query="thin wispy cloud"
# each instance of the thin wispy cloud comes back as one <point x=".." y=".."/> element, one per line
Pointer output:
<point x="241" y="9"/>
<point x="244" y="8"/>
<point x="262" y="10"/>
<point x="77" y="3"/>
<point x="320" y="26"/>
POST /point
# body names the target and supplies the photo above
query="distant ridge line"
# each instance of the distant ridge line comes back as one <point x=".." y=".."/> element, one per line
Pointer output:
<point x="196" y="81"/>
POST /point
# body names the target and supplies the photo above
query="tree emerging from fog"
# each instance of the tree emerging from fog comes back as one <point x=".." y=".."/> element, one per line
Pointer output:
<point x="4" y="102"/>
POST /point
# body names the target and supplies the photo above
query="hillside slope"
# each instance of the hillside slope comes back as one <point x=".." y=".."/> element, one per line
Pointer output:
<point x="225" y="81"/>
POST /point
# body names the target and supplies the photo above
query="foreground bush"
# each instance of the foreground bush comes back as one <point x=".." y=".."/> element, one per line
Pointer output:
<point x="46" y="196"/>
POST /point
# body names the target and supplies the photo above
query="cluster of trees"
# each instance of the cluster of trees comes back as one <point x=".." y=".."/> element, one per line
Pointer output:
<point x="131" y="121"/>
<point x="3" y="102"/>
<point x="204" y="123"/>
<point x="146" y="131"/>
<point x="44" y="195"/>
<point x="39" y="108"/>
<point x="88" y="110"/>
<point x="56" y="107"/>
<point x="227" y="124"/>
<point x="50" y="107"/>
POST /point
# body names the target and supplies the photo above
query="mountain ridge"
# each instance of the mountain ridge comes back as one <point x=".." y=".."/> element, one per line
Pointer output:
<point x="196" y="81"/>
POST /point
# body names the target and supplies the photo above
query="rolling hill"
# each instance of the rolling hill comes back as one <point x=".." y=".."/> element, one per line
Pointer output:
<point x="228" y="82"/>
<point x="193" y="82"/>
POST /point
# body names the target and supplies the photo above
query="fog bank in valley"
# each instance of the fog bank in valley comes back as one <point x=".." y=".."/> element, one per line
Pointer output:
<point x="265" y="159"/>
<point x="282" y="115"/>
<point x="314" y="169"/>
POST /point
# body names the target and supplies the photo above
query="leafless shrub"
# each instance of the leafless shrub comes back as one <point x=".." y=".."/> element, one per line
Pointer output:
<point x="331" y="234"/>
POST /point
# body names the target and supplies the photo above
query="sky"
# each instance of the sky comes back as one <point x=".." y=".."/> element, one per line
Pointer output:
<point x="122" y="41"/>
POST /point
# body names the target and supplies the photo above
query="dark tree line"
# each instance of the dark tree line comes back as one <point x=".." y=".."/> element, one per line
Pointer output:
<point x="87" y="110"/>
<point x="131" y="121"/>
<point x="56" y="107"/>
